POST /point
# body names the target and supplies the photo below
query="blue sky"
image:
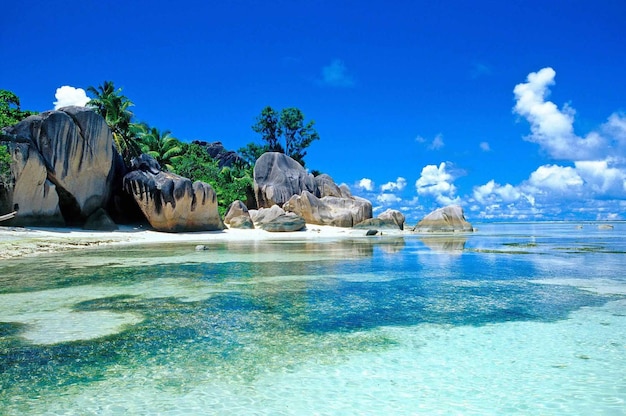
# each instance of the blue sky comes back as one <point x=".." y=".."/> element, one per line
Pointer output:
<point x="514" y="109"/>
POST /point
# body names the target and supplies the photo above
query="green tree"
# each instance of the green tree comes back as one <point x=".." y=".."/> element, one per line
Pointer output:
<point x="269" y="127"/>
<point x="287" y="125"/>
<point x="10" y="111"/>
<point x="298" y="136"/>
<point x="111" y="104"/>
<point x="229" y="183"/>
<point x="161" y="145"/>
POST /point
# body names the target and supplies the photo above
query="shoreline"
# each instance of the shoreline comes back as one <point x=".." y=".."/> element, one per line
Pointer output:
<point x="18" y="242"/>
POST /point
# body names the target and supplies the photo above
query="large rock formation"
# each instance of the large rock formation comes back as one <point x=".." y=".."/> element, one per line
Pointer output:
<point x="277" y="177"/>
<point x="170" y="202"/>
<point x="280" y="180"/>
<point x="329" y="210"/>
<point x="237" y="215"/>
<point x="62" y="167"/>
<point x="447" y="219"/>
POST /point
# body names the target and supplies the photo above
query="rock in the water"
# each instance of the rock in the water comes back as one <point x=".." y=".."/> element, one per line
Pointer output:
<point x="393" y="215"/>
<point x="277" y="177"/>
<point x="172" y="203"/>
<point x="63" y="165"/>
<point x="284" y="223"/>
<point x="100" y="221"/>
<point x="447" y="219"/>
<point x="201" y="247"/>
<point x="236" y="209"/>
<point x="329" y="210"/>
<point x="370" y="233"/>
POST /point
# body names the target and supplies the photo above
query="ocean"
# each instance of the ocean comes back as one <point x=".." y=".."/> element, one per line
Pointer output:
<point x="526" y="319"/>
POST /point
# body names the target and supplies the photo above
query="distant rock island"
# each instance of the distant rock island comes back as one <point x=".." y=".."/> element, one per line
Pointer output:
<point x="67" y="172"/>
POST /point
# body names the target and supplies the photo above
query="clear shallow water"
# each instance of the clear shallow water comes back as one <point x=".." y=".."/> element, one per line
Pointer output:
<point x="514" y="319"/>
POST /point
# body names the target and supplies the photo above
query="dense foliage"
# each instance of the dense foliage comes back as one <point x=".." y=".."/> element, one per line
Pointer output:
<point x="161" y="145"/>
<point x="10" y="111"/>
<point x="229" y="183"/>
<point x="287" y="125"/>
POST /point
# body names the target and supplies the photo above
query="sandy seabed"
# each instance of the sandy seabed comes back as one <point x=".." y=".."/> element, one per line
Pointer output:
<point x="20" y="242"/>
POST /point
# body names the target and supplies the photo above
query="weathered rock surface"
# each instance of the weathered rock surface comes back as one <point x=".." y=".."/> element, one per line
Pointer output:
<point x="100" y="221"/>
<point x="378" y="224"/>
<point x="447" y="219"/>
<point x="275" y="219"/>
<point x="242" y="221"/>
<point x="277" y="177"/>
<point x="284" y="223"/>
<point x="329" y="210"/>
<point x="172" y="203"/>
<point x="393" y="215"/>
<point x="236" y="209"/>
<point x="326" y="186"/>
<point x="63" y="165"/>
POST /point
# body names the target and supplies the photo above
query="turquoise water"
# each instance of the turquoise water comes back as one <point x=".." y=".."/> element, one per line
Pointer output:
<point x="514" y="319"/>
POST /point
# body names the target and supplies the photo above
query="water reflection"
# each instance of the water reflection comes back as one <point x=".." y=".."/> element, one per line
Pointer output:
<point x="445" y="244"/>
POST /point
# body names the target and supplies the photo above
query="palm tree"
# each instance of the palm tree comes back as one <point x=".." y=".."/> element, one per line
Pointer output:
<point x="111" y="104"/>
<point x="161" y="145"/>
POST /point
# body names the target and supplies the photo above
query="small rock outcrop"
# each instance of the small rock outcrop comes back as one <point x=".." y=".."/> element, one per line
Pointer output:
<point x="277" y="177"/>
<point x="237" y="216"/>
<point x="62" y="166"/>
<point x="394" y="216"/>
<point x="172" y="203"/>
<point x="224" y="157"/>
<point x="275" y="219"/>
<point x="377" y="223"/>
<point x="329" y="210"/>
<point x="447" y="219"/>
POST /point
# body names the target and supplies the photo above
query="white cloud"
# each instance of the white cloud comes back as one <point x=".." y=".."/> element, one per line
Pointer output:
<point x="601" y="178"/>
<point x="366" y="184"/>
<point x="436" y="181"/>
<point x="553" y="178"/>
<point x="388" y="198"/>
<point x="67" y="96"/>
<point x="493" y="191"/>
<point x="484" y="146"/>
<point x="436" y="144"/>
<point x="552" y="128"/>
<point x="398" y="185"/>
<point x="335" y="74"/>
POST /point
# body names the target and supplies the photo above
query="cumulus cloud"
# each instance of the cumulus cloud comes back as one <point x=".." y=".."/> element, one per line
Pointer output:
<point x="492" y="191"/>
<point x="398" y="185"/>
<point x="554" y="178"/>
<point x="436" y="181"/>
<point x="365" y="184"/>
<point x="336" y="74"/>
<point x="484" y="146"/>
<point x="601" y="178"/>
<point x="388" y="199"/>
<point x="551" y="127"/>
<point x="67" y="96"/>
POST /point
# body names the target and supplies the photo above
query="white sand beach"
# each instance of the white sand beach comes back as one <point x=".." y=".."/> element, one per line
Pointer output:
<point x="20" y="242"/>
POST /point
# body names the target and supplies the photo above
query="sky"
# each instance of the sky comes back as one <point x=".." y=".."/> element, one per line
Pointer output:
<point x="516" y="110"/>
